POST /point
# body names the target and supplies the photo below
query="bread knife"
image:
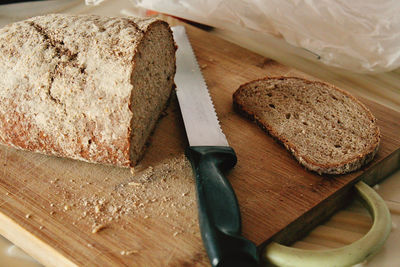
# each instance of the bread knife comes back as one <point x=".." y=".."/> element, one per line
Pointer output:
<point x="210" y="156"/>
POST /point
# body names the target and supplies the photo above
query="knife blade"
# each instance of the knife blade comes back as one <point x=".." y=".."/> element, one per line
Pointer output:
<point x="210" y="156"/>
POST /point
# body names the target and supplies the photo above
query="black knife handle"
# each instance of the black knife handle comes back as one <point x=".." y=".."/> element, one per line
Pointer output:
<point x="219" y="215"/>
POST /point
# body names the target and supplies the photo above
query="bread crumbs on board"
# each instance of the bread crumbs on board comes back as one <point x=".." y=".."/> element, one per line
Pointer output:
<point x="98" y="227"/>
<point x="161" y="193"/>
<point x="128" y="252"/>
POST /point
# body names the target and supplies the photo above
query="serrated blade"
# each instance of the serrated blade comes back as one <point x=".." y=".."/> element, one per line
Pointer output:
<point x="199" y="116"/>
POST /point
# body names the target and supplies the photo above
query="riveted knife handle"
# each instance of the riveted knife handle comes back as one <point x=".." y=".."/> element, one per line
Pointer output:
<point x="219" y="215"/>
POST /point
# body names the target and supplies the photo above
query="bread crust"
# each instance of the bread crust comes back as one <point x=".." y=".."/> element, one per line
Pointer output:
<point x="345" y="166"/>
<point x="51" y="61"/>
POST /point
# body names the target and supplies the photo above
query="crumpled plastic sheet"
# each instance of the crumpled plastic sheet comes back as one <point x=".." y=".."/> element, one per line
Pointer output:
<point x="358" y="35"/>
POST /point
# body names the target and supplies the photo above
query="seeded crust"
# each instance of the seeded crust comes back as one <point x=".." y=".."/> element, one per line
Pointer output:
<point x="325" y="128"/>
<point x="84" y="87"/>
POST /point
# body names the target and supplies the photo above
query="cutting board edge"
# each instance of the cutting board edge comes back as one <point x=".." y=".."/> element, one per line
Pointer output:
<point x="28" y="242"/>
<point x="322" y="212"/>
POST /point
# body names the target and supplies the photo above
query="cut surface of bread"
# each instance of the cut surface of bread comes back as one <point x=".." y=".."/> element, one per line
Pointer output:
<point x="85" y="87"/>
<point x="325" y="128"/>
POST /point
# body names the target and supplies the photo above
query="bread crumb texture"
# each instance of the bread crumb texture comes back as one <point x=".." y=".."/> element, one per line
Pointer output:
<point x="66" y="84"/>
<point x="325" y="128"/>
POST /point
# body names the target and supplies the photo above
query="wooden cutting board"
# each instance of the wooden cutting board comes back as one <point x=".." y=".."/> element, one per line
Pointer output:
<point x="67" y="213"/>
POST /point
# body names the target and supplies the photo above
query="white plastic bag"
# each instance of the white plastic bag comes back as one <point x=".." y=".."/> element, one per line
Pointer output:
<point x="358" y="35"/>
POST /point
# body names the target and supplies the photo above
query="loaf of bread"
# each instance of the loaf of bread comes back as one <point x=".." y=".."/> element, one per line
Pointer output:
<point x="326" y="129"/>
<point x="84" y="87"/>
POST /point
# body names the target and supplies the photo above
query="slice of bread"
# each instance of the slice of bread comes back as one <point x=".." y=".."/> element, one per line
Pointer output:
<point x="325" y="128"/>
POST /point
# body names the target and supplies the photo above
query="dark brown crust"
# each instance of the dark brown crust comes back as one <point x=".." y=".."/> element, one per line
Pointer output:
<point x="339" y="168"/>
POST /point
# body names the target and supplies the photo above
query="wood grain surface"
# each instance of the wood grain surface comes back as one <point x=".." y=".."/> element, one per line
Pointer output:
<point x="67" y="213"/>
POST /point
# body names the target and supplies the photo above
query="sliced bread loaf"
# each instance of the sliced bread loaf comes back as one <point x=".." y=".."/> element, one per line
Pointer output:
<point x="84" y="87"/>
<point x="326" y="129"/>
